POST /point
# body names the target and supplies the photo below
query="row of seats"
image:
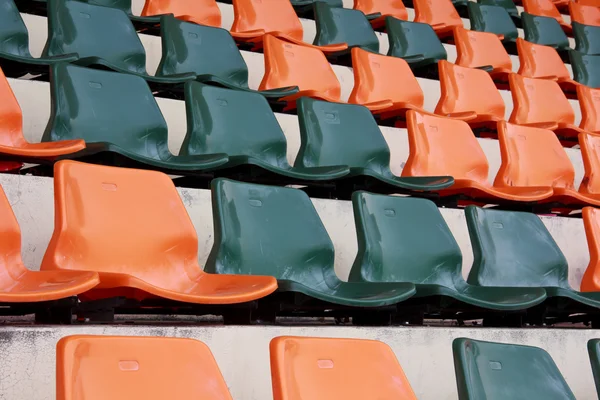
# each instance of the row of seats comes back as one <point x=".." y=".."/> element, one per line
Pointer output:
<point x="120" y="368"/>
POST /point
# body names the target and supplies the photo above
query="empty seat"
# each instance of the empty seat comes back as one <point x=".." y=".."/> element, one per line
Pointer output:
<point x="245" y="129"/>
<point x="304" y="8"/>
<point x="138" y="237"/>
<point x="587" y="38"/>
<point x="492" y="19"/>
<point x="494" y="371"/>
<point x="378" y="10"/>
<point x="584" y="14"/>
<point x="347" y="134"/>
<point x="508" y="5"/>
<point x="545" y="31"/>
<point x="330" y="368"/>
<point x="10" y="166"/>
<point x="594" y="353"/>
<point x="530" y="258"/>
<point x="203" y="12"/>
<point x="208" y="53"/>
<point x="589" y="102"/>
<point x="252" y="226"/>
<point x="253" y="19"/>
<point x="590" y="154"/>
<point x="403" y="239"/>
<point x="586" y="68"/>
<point x="14" y="146"/>
<point x="546" y="8"/>
<point x="444" y="146"/>
<point x="440" y="14"/>
<point x="482" y="50"/>
<point x="591" y="278"/>
<point x="385" y="85"/>
<point x="470" y="95"/>
<point x="125" y="367"/>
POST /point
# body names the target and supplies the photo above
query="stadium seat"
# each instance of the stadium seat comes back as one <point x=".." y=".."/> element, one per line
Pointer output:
<point x="594" y="353"/>
<point x="15" y="59"/>
<point x="416" y="43"/>
<point x="288" y="64"/>
<point x="584" y="14"/>
<point x="14" y="146"/>
<point x="253" y="19"/>
<point x="530" y="258"/>
<point x="587" y="38"/>
<point x="589" y="2"/>
<point x="482" y="50"/>
<point x="506" y="371"/>
<point x="545" y="31"/>
<point x="208" y="53"/>
<point x="591" y="221"/>
<point x="508" y="5"/>
<point x="20" y="285"/>
<point x="133" y="367"/>
<point x="331" y="368"/>
<point x="444" y="146"/>
<point x="347" y="134"/>
<point x="586" y="68"/>
<point x="403" y="239"/>
<point x="492" y="19"/>
<point x="590" y="154"/>
<point x="241" y="125"/>
<point x="470" y="95"/>
<point x="124" y="209"/>
<point x="203" y="12"/>
<point x="383" y="80"/>
<point x="304" y="8"/>
<point x="546" y="8"/>
<point x="118" y="117"/>
<point x="293" y="247"/>
<point x="440" y="14"/>
<point x="10" y="166"/>
<point x="378" y="10"/>
<point x="541" y="103"/>
<point x="589" y="103"/>
<point x="533" y="156"/>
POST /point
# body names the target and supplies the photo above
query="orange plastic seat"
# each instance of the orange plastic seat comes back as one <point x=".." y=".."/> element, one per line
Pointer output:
<point x="588" y="2"/>
<point x="387" y="8"/>
<point x="12" y="142"/>
<point x="132" y="228"/>
<point x="590" y="154"/>
<point x="482" y="49"/>
<point x="546" y="8"/>
<point x="440" y="14"/>
<point x="444" y="146"/>
<point x="253" y="19"/>
<point x="541" y="103"/>
<point x="585" y="14"/>
<point x="10" y="166"/>
<point x="470" y="95"/>
<point x="20" y="285"/>
<point x="336" y="369"/>
<point x="306" y="67"/>
<point x="385" y="85"/>
<point x="130" y="367"/>
<point x="533" y="156"/>
<point x="591" y="222"/>
<point x="543" y="62"/>
<point x="202" y="12"/>
<point x="589" y="102"/>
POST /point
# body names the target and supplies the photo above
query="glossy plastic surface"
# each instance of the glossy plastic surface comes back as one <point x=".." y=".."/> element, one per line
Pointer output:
<point x="132" y="228"/>
<point x="255" y="233"/>
<point x="590" y="153"/>
<point x="589" y="103"/>
<point x="380" y="9"/>
<point x="543" y="62"/>
<point x="586" y="68"/>
<point x="594" y="352"/>
<point x="545" y="31"/>
<point x="499" y="371"/>
<point x="508" y="5"/>
<point x="591" y="278"/>
<point x="131" y="367"/>
<point x="440" y="14"/>
<point x="584" y="14"/>
<point x="336" y="369"/>
<point x="492" y="19"/>
<point x="587" y="38"/>
<point x="414" y="42"/>
<point x="203" y="12"/>
<point x="545" y="8"/>
<point x="481" y="49"/>
<point x="405" y="239"/>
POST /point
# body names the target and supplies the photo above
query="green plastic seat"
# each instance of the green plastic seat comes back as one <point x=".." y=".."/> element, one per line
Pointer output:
<point x="594" y="353"/>
<point x="276" y="231"/>
<point x="101" y="36"/>
<point x="515" y="248"/>
<point x="114" y="113"/>
<point x="241" y="125"/>
<point x="343" y="25"/>
<point x="304" y="8"/>
<point x="347" y="134"/>
<point x="508" y="5"/>
<point x="544" y="30"/>
<point x="15" y="58"/>
<point x="586" y="68"/>
<point x="492" y="19"/>
<point x="587" y="38"/>
<point x="403" y="239"/>
<point x="500" y="371"/>
<point x="208" y="53"/>
<point x="414" y="42"/>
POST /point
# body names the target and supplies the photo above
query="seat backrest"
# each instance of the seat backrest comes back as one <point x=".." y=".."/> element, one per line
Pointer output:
<point x="594" y="353"/>
<point x="589" y="102"/>
<point x="538" y="101"/>
<point x="403" y="239"/>
<point x="105" y="107"/>
<point x="255" y="234"/>
<point x="532" y="157"/>
<point x="413" y="40"/>
<point x="513" y="248"/>
<point x="11" y="262"/>
<point x="203" y="50"/>
<point x="11" y="117"/>
<point x="203" y="12"/>
<point x="328" y="368"/>
<point x="477" y="49"/>
<point x="538" y="61"/>
<point x="343" y="25"/>
<point x="378" y="77"/>
<point x="123" y="5"/>
<point x="492" y="19"/>
<point x="590" y="153"/>
<point x="266" y="15"/>
<point x="233" y="122"/>
<point x="543" y="8"/>
<point x="487" y="370"/>
<point x="587" y="38"/>
<point x="544" y="30"/>
<point x="584" y="14"/>
<point x="391" y="8"/>
<point x="444" y="146"/>
<point x="508" y="5"/>
<point x="436" y="13"/>
<point x="340" y="134"/>
<point x="591" y="278"/>
<point x="14" y="38"/>
<point x="288" y="64"/>
<point x="585" y="68"/>
<point x="126" y="367"/>
<point x="467" y="89"/>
